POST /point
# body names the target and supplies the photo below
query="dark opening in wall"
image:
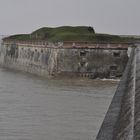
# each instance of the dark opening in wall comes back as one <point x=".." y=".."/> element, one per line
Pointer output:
<point x="113" y="67"/>
<point x="82" y="53"/>
<point x="82" y="64"/>
<point x="116" y="54"/>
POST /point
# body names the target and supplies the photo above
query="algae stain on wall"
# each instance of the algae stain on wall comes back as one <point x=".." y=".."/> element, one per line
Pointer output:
<point x="53" y="60"/>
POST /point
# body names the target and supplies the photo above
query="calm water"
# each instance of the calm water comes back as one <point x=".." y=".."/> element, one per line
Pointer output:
<point x="33" y="108"/>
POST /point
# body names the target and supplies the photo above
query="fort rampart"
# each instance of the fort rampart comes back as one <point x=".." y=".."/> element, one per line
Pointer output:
<point x="66" y="58"/>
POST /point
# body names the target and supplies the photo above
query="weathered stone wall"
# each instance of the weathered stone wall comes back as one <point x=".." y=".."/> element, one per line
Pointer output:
<point x="30" y="59"/>
<point x="137" y="97"/>
<point x="119" y="120"/>
<point x="54" y="60"/>
<point x="122" y="121"/>
<point x="97" y="62"/>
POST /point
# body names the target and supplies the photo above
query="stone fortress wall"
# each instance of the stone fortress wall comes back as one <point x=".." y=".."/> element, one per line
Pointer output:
<point x="77" y="59"/>
<point x="118" y="123"/>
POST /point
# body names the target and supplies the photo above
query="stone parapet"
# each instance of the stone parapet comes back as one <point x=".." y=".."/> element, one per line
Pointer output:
<point x="117" y="124"/>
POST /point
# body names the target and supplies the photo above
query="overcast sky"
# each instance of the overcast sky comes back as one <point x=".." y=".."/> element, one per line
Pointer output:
<point x="106" y="16"/>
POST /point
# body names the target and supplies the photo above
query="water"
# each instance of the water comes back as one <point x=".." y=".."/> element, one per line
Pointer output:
<point x="33" y="108"/>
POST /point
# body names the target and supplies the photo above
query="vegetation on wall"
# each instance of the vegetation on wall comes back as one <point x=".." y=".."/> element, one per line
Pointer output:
<point x="69" y="33"/>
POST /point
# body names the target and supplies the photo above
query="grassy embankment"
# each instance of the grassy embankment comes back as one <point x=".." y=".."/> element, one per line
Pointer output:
<point x="69" y="33"/>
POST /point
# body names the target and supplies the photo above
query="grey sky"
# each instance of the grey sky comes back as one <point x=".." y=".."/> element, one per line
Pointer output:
<point x="107" y="16"/>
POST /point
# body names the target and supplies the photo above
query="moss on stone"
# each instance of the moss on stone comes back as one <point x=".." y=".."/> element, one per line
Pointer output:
<point x="69" y="33"/>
